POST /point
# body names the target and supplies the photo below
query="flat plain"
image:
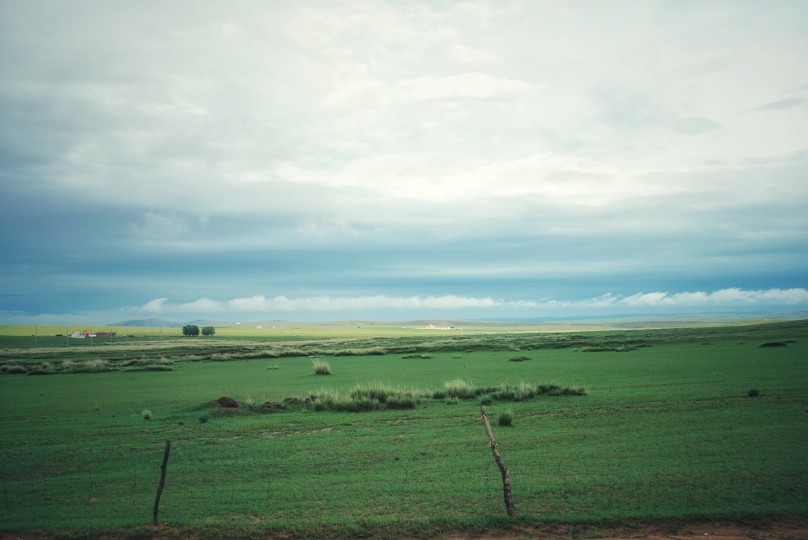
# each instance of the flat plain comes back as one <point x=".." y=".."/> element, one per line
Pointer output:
<point x="676" y="425"/>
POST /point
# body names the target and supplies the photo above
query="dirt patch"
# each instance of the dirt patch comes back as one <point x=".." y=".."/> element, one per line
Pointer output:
<point x="783" y="529"/>
<point x="273" y="434"/>
<point x="786" y="529"/>
<point x="272" y="406"/>
<point x="227" y="403"/>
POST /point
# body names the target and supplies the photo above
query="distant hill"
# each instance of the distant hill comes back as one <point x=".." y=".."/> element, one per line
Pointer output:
<point x="153" y="323"/>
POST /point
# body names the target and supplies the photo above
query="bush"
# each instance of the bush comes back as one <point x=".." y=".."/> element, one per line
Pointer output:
<point x="486" y="400"/>
<point x="321" y="367"/>
<point x="203" y="419"/>
<point x="147" y="414"/>
<point x="753" y="392"/>
<point x="520" y="358"/>
<point x="505" y="419"/>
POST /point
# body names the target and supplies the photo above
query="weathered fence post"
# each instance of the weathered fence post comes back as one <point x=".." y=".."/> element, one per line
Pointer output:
<point x="506" y="477"/>
<point x="162" y="481"/>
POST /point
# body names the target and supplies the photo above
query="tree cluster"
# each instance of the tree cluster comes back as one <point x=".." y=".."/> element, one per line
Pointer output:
<point x="190" y="330"/>
<point x="193" y="330"/>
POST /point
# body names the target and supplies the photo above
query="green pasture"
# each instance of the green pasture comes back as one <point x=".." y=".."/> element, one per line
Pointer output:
<point x="667" y="430"/>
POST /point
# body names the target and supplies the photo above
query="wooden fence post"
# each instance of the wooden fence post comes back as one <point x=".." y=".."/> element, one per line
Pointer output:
<point x="162" y="481"/>
<point x="506" y="477"/>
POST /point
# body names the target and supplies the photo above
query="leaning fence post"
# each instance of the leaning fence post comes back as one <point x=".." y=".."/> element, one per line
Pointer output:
<point x="506" y="477"/>
<point x="162" y="481"/>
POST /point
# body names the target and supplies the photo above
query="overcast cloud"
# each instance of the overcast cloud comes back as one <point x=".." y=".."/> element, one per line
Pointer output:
<point x="328" y="160"/>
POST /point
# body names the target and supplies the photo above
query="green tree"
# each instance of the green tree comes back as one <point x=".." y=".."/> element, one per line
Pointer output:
<point x="208" y="330"/>
<point x="190" y="330"/>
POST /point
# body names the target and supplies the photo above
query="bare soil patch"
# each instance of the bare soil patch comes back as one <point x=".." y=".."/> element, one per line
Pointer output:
<point x="781" y="529"/>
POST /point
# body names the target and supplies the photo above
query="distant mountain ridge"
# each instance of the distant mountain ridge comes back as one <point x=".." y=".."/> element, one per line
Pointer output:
<point x="153" y="323"/>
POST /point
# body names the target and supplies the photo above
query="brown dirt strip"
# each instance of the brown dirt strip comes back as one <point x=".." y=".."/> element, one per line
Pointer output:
<point x="781" y="529"/>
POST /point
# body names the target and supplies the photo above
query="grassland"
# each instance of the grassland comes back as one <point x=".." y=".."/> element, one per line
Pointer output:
<point x="667" y="430"/>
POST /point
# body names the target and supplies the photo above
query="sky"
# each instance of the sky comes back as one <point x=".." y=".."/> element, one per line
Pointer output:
<point x="389" y="160"/>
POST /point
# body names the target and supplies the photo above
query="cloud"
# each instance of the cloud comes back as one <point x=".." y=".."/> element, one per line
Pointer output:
<point x="260" y="303"/>
<point x="731" y="297"/>
<point x="782" y="105"/>
<point x="155" y="224"/>
<point x="473" y="85"/>
<point x="723" y="297"/>
<point x="364" y="153"/>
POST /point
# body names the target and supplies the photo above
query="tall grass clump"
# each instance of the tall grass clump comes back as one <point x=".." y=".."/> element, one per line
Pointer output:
<point x="389" y="396"/>
<point x="147" y="414"/>
<point x="325" y="399"/>
<point x="524" y="391"/>
<point x="458" y="388"/>
<point x="93" y="366"/>
<point x="14" y="370"/>
<point x="321" y="367"/>
<point x="505" y="419"/>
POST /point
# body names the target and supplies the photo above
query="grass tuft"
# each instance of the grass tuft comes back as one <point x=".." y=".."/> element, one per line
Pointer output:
<point x="505" y="419"/>
<point x="321" y="367"/>
<point x="458" y="388"/>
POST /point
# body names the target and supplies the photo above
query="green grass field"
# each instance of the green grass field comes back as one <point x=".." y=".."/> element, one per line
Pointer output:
<point x="667" y="430"/>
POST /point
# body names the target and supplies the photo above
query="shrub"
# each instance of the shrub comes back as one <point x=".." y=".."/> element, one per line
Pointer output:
<point x="753" y="392"/>
<point x="203" y="418"/>
<point x="451" y="401"/>
<point x="486" y="400"/>
<point x="505" y="419"/>
<point x="321" y="368"/>
<point x="147" y="414"/>
<point x="520" y="358"/>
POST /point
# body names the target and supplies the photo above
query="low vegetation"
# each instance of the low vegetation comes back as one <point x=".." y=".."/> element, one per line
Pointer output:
<point x="321" y="367"/>
<point x="661" y="434"/>
<point x="505" y="419"/>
